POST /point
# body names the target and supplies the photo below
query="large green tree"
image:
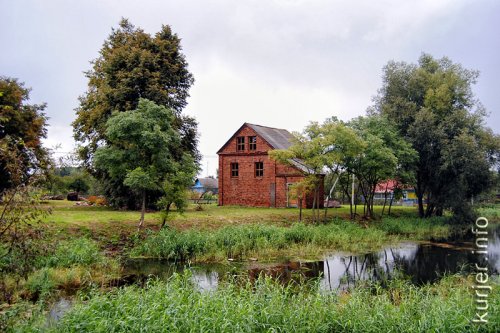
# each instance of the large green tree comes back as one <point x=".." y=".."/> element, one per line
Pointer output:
<point x="132" y="65"/>
<point x="22" y="127"/>
<point x="434" y="108"/>
<point x="386" y="155"/>
<point x="142" y="149"/>
<point x="321" y="147"/>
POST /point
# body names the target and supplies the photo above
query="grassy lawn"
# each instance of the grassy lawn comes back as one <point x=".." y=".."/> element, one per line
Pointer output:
<point x="65" y="214"/>
<point x="217" y="233"/>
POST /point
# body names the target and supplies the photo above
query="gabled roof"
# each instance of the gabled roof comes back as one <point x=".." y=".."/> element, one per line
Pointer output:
<point x="209" y="182"/>
<point x="277" y="138"/>
<point x="389" y="185"/>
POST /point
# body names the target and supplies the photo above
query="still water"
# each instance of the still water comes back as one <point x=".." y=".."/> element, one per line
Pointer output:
<point x="423" y="262"/>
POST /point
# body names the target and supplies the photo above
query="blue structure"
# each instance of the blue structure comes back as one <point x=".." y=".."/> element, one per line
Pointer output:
<point x="202" y="185"/>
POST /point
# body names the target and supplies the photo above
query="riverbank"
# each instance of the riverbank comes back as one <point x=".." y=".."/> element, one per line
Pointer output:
<point x="267" y="242"/>
<point x="265" y="305"/>
<point x="85" y="248"/>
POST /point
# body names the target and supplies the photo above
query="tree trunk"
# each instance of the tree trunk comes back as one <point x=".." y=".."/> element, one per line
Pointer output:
<point x="353" y="200"/>
<point x="314" y="204"/>
<point x="300" y="209"/>
<point x="385" y="198"/>
<point x="165" y="217"/>
<point x="420" y="198"/>
<point x="143" y="209"/>
<point x="390" y="204"/>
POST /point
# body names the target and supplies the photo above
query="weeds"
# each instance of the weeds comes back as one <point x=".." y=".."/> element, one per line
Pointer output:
<point x="267" y="240"/>
<point x="267" y="306"/>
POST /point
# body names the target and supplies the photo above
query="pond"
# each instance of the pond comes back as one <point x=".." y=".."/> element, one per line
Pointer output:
<point x="422" y="262"/>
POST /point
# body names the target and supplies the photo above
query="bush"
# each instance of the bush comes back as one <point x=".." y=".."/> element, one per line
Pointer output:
<point x="97" y="200"/>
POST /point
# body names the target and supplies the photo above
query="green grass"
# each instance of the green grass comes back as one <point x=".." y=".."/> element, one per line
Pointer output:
<point x="66" y="214"/>
<point x="67" y="267"/>
<point x="269" y="241"/>
<point x="492" y="213"/>
<point x="267" y="306"/>
<point x="414" y="228"/>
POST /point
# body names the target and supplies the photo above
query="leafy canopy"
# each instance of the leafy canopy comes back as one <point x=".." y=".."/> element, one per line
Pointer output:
<point x="132" y="65"/>
<point x="141" y="147"/>
<point x="433" y="107"/>
<point x="22" y="127"/>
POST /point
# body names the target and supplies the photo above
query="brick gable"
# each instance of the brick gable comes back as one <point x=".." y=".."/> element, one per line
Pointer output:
<point x="249" y="189"/>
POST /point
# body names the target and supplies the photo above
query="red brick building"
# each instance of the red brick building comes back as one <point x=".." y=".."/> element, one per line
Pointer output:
<point x="248" y="177"/>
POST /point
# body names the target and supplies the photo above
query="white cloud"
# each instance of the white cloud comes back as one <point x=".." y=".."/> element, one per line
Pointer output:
<point x="277" y="63"/>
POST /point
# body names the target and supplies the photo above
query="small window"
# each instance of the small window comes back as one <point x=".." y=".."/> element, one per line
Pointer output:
<point x="252" y="143"/>
<point x="259" y="169"/>
<point x="234" y="169"/>
<point x="240" y="143"/>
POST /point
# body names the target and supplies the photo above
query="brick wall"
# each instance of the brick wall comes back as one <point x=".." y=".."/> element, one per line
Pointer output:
<point x="247" y="189"/>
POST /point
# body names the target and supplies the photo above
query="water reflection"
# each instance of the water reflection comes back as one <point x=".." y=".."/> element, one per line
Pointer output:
<point x="421" y="262"/>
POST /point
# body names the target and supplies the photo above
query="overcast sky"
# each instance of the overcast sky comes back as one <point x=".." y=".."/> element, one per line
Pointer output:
<point x="273" y="63"/>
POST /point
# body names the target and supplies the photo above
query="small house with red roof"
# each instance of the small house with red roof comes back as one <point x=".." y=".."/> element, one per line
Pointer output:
<point x="385" y="191"/>
<point x="248" y="177"/>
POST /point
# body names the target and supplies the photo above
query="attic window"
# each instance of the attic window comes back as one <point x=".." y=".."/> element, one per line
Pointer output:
<point x="234" y="169"/>
<point x="259" y="169"/>
<point x="240" y="143"/>
<point x="252" y="143"/>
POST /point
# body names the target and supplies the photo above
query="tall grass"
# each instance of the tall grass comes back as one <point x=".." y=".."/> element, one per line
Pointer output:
<point x="491" y="212"/>
<point x="265" y="240"/>
<point x="78" y="251"/>
<point x="415" y="227"/>
<point x="267" y="306"/>
<point x="71" y="265"/>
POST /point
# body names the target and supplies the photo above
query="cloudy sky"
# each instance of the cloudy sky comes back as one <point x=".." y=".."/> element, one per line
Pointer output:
<point x="274" y="63"/>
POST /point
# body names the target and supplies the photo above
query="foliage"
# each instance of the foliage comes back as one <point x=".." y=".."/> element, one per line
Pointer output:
<point x="320" y="146"/>
<point x="175" y="187"/>
<point x="21" y="235"/>
<point x="386" y="155"/>
<point x="64" y="179"/>
<point x="78" y="184"/>
<point x="133" y="65"/>
<point x="143" y="148"/>
<point x="22" y="126"/>
<point x="300" y="191"/>
<point x="98" y="201"/>
<point x="434" y="109"/>
<point x="266" y="306"/>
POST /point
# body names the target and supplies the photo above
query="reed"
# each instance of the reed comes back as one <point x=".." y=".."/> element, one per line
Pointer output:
<point x="264" y="241"/>
<point x="267" y="306"/>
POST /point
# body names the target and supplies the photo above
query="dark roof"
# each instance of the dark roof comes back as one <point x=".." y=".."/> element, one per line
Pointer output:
<point x="276" y="137"/>
<point x="209" y="182"/>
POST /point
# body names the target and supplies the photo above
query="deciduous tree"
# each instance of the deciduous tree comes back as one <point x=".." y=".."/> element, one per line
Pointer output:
<point x="385" y="156"/>
<point x="22" y="127"/>
<point x="132" y="65"/>
<point x="142" y="149"/>
<point x="434" y="108"/>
